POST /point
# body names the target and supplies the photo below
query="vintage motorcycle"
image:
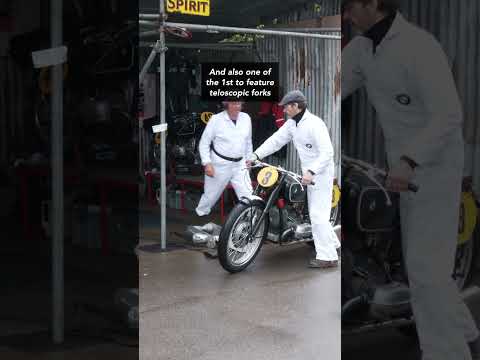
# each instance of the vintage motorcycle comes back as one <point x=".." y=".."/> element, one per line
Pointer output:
<point x="277" y="212"/>
<point x="375" y="291"/>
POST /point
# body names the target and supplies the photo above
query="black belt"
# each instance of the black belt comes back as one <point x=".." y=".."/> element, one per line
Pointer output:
<point x="223" y="156"/>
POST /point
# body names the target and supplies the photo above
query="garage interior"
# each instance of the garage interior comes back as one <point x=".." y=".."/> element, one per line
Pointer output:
<point x="271" y="310"/>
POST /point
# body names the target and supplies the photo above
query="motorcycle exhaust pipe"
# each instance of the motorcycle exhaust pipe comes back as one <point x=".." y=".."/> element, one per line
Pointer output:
<point x="353" y="304"/>
<point x="287" y="233"/>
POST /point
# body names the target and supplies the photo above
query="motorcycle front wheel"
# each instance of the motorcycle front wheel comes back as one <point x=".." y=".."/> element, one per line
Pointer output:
<point x="237" y="246"/>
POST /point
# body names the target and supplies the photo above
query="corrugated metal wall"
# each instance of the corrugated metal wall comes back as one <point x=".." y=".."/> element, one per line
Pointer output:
<point x="455" y="24"/>
<point x="308" y="65"/>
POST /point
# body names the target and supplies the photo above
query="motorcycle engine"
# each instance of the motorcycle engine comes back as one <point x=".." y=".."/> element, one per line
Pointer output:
<point x="390" y="301"/>
<point x="364" y="277"/>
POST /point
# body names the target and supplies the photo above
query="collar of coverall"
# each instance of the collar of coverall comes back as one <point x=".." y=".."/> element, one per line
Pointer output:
<point x="380" y="30"/>
<point x="228" y="118"/>
<point x="299" y="116"/>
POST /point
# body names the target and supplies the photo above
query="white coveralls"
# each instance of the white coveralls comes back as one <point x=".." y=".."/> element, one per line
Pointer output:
<point x="229" y="140"/>
<point x="409" y="83"/>
<point x="312" y="141"/>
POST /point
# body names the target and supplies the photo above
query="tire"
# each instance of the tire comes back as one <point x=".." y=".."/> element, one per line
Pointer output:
<point x="235" y="226"/>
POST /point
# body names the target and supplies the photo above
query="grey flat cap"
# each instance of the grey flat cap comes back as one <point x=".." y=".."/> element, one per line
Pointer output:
<point x="293" y="96"/>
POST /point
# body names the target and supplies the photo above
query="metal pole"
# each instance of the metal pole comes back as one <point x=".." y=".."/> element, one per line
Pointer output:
<point x="152" y="16"/>
<point x="314" y="30"/>
<point x="56" y="37"/>
<point x="226" y="29"/>
<point x="163" y="157"/>
<point x="149" y="62"/>
<point x="149" y="33"/>
<point x="148" y="23"/>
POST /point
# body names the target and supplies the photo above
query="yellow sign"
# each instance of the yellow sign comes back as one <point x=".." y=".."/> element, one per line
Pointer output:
<point x="267" y="177"/>
<point x="336" y="196"/>
<point x="205" y="116"/>
<point x="189" y="7"/>
<point x="468" y="218"/>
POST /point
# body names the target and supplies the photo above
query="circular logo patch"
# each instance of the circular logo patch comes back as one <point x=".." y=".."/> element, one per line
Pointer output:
<point x="403" y="99"/>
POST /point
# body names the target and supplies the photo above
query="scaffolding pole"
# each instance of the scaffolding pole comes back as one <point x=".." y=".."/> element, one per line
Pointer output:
<point x="56" y="222"/>
<point x="238" y="30"/>
<point x="163" y="138"/>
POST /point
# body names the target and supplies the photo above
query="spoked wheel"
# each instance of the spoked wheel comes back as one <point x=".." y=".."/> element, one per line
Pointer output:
<point x="237" y="246"/>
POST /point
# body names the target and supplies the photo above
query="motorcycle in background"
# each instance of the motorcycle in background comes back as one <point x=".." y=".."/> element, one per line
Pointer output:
<point x="375" y="292"/>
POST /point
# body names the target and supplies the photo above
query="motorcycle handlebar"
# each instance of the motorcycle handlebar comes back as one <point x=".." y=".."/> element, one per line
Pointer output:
<point x="366" y="167"/>
<point x="256" y="163"/>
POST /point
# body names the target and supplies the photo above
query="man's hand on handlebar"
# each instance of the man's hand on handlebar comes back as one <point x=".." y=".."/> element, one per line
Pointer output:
<point x="252" y="159"/>
<point x="399" y="177"/>
<point x="307" y="178"/>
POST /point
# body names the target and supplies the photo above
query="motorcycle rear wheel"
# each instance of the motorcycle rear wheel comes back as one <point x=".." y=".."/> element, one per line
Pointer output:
<point x="236" y="247"/>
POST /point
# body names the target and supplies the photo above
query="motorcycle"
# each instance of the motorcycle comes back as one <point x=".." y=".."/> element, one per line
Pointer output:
<point x="277" y="212"/>
<point x="182" y="141"/>
<point x="375" y="291"/>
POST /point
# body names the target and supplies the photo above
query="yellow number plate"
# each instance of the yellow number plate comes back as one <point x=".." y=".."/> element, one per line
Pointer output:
<point x="267" y="177"/>
<point x="205" y="116"/>
<point x="335" y="196"/>
<point x="468" y="218"/>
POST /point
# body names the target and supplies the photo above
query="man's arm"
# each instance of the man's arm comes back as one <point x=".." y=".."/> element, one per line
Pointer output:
<point x="205" y="141"/>
<point x="351" y="74"/>
<point x="438" y="92"/>
<point x="275" y="142"/>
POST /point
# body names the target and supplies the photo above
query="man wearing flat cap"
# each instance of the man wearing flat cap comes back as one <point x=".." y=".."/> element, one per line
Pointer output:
<point x="407" y="76"/>
<point x="312" y="141"/>
<point x="225" y="142"/>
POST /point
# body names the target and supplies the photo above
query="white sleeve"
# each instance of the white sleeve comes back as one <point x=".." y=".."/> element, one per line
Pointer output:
<point x="205" y="141"/>
<point x="322" y="142"/>
<point x="351" y="73"/>
<point x="249" y="144"/>
<point x="275" y="142"/>
<point x="437" y="90"/>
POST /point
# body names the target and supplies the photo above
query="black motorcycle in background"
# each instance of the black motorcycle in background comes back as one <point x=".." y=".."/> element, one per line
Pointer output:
<point x="375" y="292"/>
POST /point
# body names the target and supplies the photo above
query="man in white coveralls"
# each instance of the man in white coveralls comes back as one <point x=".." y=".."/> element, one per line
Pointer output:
<point x="225" y="145"/>
<point x="312" y="141"/>
<point x="409" y="82"/>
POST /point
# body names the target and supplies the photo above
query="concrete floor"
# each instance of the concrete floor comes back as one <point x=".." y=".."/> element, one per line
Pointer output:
<point x="276" y="309"/>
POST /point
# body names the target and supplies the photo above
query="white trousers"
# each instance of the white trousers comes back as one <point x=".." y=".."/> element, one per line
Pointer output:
<point x="231" y="172"/>
<point x="429" y="222"/>
<point x="320" y="207"/>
